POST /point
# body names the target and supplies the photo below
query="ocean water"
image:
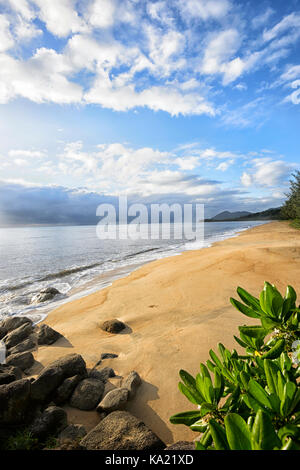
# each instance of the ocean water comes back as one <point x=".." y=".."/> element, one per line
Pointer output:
<point x="76" y="262"/>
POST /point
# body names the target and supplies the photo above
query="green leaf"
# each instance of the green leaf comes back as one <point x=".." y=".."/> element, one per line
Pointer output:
<point x="206" y="408"/>
<point x="291" y="295"/>
<point x="249" y="299"/>
<point x="268" y="323"/>
<point x="199" y="446"/>
<point x="289" y="430"/>
<point x="257" y="332"/>
<point x="187" y="417"/>
<point x="218" y="386"/>
<point x="206" y="439"/>
<point x="215" y="358"/>
<point x="189" y="395"/>
<point x="276" y="350"/>
<point x="199" y="426"/>
<point x="219" y="435"/>
<point x="237" y="432"/>
<point x="271" y="371"/>
<point x="241" y="343"/>
<point x="190" y="383"/>
<point x="249" y="312"/>
<point x="263" y="432"/>
<point x="289" y="391"/>
<point x="259" y="394"/>
<point x="290" y="445"/>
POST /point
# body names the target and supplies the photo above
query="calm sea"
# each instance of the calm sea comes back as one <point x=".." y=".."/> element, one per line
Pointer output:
<point x="76" y="262"/>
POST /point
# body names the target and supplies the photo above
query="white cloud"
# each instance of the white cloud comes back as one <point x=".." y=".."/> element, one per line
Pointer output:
<point x="101" y="13"/>
<point x="266" y="172"/>
<point x="219" y="56"/>
<point x="203" y="9"/>
<point x="225" y="165"/>
<point x="246" y="179"/>
<point x="60" y="17"/>
<point x="43" y="78"/>
<point x="22" y="7"/>
<point x="263" y="18"/>
<point x="6" y="39"/>
<point x="289" y="23"/>
<point x="187" y="163"/>
<point x="27" y="153"/>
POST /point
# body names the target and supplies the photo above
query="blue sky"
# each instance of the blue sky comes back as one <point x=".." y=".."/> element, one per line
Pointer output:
<point x="194" y="100"/>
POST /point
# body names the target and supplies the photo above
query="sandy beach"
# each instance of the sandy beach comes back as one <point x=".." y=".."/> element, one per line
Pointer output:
<point x="176" y="309"/>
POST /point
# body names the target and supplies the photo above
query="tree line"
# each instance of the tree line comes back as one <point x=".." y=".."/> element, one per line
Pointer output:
<point x="291" y="207"/>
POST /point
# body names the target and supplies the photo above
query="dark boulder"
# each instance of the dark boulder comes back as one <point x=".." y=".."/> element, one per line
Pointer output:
<point x="113" y="326"/>
<point x="73" y="432"/>
<point x="18" y="335"/>
<point x="108" y="356"/>
<point x="12" y="323"/>
<point x="23" y="360"/>
<point x="15" y="402"/>
<point x="52" y="376"/>
<point x="87" y="394"/>
<point x="65" y="390"/>
<point x="49" y="423"/>
<point x="102" y="374"/>
<point x="45" y="295"/>
<point x="9" y="374"/>
<point x="121" y="430"/>
<point x="46" y="335"/>
<point x="29" y="344"/>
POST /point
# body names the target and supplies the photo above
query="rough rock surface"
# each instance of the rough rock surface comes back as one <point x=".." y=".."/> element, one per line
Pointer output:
<point x="102" y="374"/>
<point x="9" y="374"/>
<point x="132" y="382"/>
<point x="113" y="326"/>
<point x="18" y="335"/>
<point x="121" y="430"/>
<point x="23" y="360"/>
<point x="181" y="445"/>
<point x="114" y="400"/>
<point x="46" y="335"/>
<point x="53" y="375"/>
<point x="29" y="344"/>
<point x="14" y="402"/>
<point x="52" y="421"/>
<point x="108" y="356"/>
<point x="46" y="294"/>
<point x="65" y="390"/>
<point x="73" y="432"/>
<point x="11" y="323"/>
<point x="87" y="394"/>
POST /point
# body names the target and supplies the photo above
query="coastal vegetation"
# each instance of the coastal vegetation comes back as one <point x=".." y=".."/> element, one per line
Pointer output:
<point x="250" y="401"/>
<point x="291" y="208"/>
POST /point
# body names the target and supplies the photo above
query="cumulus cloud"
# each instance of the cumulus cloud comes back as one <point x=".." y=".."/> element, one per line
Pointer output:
<point x="124" y="54"/>
<point x="267" y="172"/>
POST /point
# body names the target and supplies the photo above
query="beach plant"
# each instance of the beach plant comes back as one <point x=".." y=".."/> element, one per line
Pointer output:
<point x="250" y="401"/>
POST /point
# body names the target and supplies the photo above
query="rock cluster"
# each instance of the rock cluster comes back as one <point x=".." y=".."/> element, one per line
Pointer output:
<point x="37" y="402"/>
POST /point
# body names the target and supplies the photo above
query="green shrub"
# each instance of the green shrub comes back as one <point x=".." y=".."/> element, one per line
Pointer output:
<point x="22" y="440"/>
<point x="250" y="401"/>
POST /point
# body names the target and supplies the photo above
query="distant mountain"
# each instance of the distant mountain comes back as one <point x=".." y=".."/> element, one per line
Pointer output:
<point x="269" y="214"/>
<point x="226" y="215"/>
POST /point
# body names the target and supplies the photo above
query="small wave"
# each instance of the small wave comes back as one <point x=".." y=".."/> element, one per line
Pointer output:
<point x="68" y="271"/>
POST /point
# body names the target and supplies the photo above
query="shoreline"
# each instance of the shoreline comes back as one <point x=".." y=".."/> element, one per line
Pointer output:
<point x="176" y="308"/>
<point x="39" y="312"/>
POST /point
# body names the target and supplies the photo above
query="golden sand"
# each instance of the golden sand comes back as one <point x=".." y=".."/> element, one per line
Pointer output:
<point x="176" y="309"/>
